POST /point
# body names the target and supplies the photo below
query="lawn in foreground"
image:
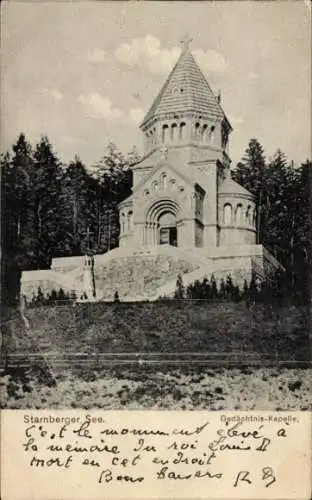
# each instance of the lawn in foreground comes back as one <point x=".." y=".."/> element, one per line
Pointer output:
<point x="280" y="331"/>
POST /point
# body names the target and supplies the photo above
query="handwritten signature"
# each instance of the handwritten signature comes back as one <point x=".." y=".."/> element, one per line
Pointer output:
<point x="136" y="453"/>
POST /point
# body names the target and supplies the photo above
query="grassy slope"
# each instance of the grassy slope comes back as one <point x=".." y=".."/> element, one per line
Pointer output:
<point x="169" y="327"/>
<point x="281" y="332"/>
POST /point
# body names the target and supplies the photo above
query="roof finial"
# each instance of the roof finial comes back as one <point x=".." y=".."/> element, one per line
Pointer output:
<point x="186" y="40"/>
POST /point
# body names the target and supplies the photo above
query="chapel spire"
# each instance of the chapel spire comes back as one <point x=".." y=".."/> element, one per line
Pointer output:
<point x="186" y="110"/>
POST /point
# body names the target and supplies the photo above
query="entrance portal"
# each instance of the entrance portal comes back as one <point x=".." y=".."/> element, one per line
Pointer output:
<point x="168" y="236"/>
<point x="167" y="229"/>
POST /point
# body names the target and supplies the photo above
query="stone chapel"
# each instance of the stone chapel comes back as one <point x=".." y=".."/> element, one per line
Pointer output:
<point x="183" y="194"/>
<point x="185" y="215"/>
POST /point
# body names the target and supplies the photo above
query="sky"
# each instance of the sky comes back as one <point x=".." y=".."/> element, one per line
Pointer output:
<point x="85" y="73"/>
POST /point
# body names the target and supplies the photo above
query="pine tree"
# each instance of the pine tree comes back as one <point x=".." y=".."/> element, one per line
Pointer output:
<point x="229" y="287"/>
<point x="114" y="177"/>
<point x="301" y="242"/>
<point x="190" y="291"/>
<point x="214" y="288"/>
<point x="180" y="290"/>
<point x="40" y="296"/>
<point x="16" y="248"/>
<point x="250" y="173"/>
<point x="53" y="295"/>
<point x="206" y="292"/>
<point x="47" y="208"/>
<point x="245" y="290"/>
<point x="276" y="210"/>
<point x="222" y="290"/>
<point x="79" y="221"/>
<point x="21" y="203"/>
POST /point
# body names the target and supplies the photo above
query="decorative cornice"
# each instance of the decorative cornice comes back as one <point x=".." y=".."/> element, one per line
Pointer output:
<point x="241" y="228"/>
<point x="180" y="115"/>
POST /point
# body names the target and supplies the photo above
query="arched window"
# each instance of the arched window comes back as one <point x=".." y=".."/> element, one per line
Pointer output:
<point x="172" y="183"/>
<point x="254" y="218"/>
<point x="174" y="129"/>
<point x="123" y="220"/>
<point x="163" y="180"/>
<point x="239" y="214"/>
<point x="146" y="193"/>
<point x="197" y="131"/>
<point x="204" y="132"/>
<point x="182" y="131"/>
<point x="130" y="214"/>
<point x="212" y="134"/>
<point x="227" y="214"/>
<point x="249" y="215"/>
<point x="165" y="132"/>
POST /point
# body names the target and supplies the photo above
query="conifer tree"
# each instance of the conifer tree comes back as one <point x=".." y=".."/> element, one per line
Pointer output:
<point x="180" y="290"/>
<point x="47" y="213"/>
<point x="206" y="292"/>
<point x="222" y="290"/>
<point x="114" y="178"/>
<point x="214" y="288"/>
<point x="250" y="173"/>
<point x="229" y="287"/>
<point x="21" y="203"/>
<point x="78" y="198"/>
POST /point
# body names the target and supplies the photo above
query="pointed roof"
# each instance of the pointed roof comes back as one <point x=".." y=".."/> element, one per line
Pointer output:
<point x="230" y="187"/>
<point x="186" y="89"/>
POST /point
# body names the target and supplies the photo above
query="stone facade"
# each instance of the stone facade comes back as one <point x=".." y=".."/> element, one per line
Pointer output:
<point x="183" y="194"/>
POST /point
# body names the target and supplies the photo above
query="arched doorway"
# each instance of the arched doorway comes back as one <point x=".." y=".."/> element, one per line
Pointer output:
<point x="167" y="229"/>
<point x="160" y="226"/>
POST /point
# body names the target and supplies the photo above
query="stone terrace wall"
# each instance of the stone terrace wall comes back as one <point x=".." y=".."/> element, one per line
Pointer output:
<point x="47" y="280"/>
<point x="139" y="275"/>
<point x="240" y="269"/>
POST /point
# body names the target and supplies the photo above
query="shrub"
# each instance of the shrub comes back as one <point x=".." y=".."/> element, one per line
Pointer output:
<point x="180" y="290"/>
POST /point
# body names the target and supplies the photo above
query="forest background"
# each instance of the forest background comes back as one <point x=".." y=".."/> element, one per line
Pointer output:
<point x="50" y="209"/>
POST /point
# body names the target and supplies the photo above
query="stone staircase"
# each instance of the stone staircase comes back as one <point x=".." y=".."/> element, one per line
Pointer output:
<point x="141" y="273"/>
<point x="137" y="275"/>
<point x="220" y="272"/>
<point x="49" y="280"/>
<point x="148" y="273"/>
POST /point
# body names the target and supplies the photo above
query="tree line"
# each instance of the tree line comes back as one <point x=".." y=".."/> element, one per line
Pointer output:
<point x="283" y="196"/>
<point x="270" y="290"/>
<point x="51" y="209"/>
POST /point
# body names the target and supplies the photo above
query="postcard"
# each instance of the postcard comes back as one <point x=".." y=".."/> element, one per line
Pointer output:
<point x="156" y="211"/>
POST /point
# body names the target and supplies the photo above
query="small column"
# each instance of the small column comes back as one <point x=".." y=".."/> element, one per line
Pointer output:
<point x="88" y="277"/>
<point x="151" y="233"/>
<point x="155" y="234"/>
<point x="148" y="233"/>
